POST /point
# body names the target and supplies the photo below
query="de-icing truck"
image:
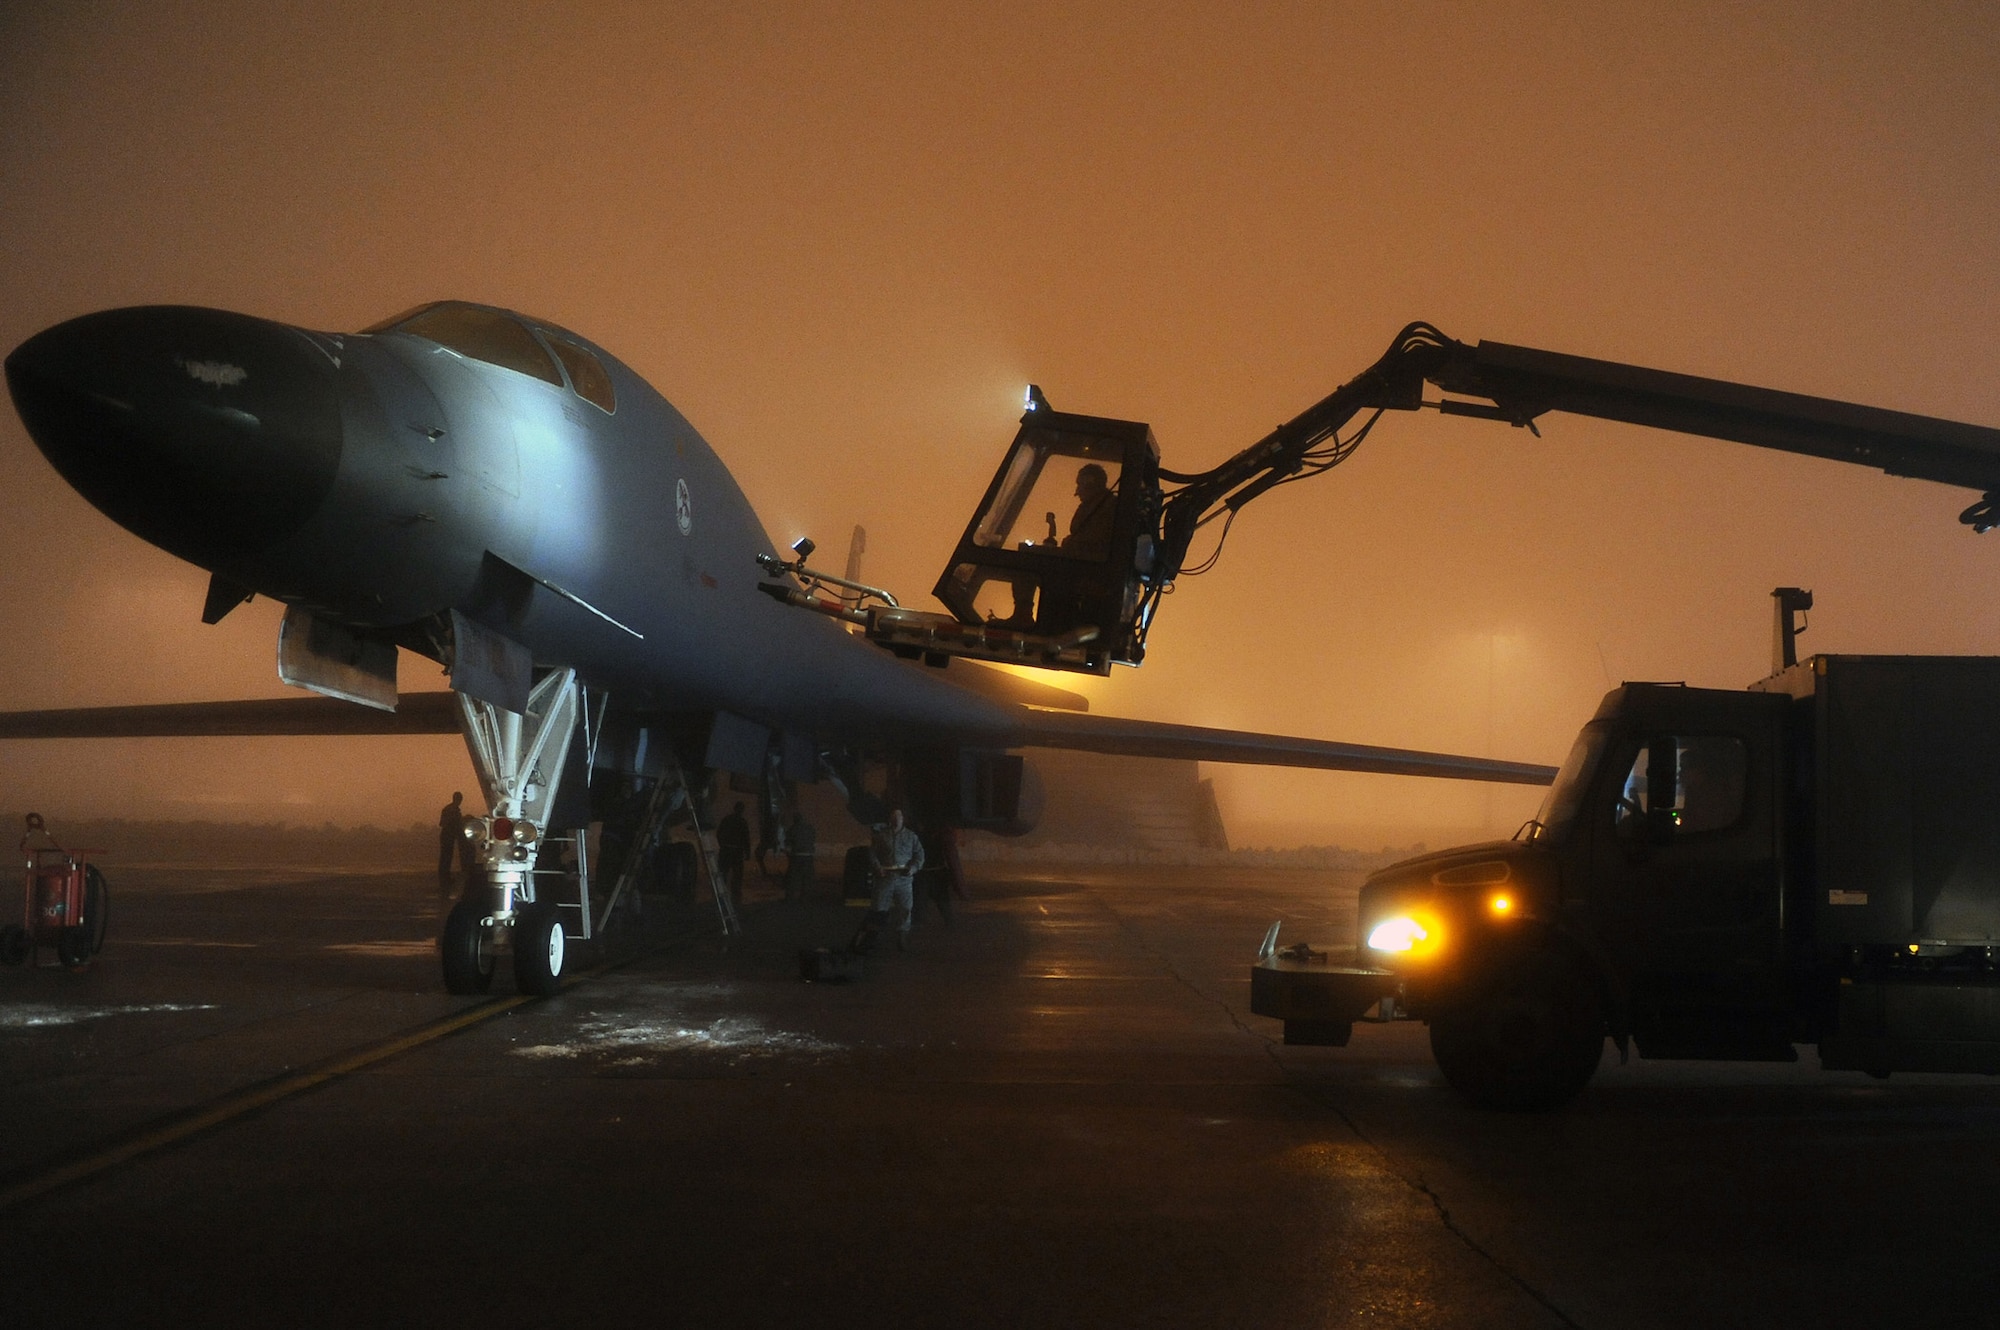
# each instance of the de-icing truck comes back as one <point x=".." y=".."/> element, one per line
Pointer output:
<point x="1714" y="874"/>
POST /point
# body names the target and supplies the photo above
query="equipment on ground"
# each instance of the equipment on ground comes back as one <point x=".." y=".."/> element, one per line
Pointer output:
<point x="828" y="965"/>
<point x="1714" y="874"/>
<point x="65" y="903"/>
<point x="1018" y="590"/>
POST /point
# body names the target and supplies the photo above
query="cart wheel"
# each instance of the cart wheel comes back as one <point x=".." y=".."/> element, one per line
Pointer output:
<point x="14" y="944"/>
<point x="539" y="945"/>
<point x="73" y="947"/>
<point x="96" y="906"/>
<point x="466" y="950"/>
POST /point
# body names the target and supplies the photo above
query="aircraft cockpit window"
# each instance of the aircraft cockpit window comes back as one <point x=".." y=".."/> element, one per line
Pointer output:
<point x="586" y="373"/>
<point x="483" y="334"/>
<point x="1058" y="494"/>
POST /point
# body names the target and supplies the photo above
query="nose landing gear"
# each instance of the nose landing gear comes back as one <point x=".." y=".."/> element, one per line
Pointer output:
<point x="520" y="759"/>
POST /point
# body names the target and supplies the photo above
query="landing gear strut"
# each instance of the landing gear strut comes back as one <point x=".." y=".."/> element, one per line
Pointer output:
<point x="520" y="760"/>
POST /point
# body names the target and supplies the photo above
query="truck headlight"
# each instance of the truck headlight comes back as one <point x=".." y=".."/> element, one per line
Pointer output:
<point x="1401" y="933"/>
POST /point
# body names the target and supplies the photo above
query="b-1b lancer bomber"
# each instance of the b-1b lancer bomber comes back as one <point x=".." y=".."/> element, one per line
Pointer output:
<point x="502" y="496"/>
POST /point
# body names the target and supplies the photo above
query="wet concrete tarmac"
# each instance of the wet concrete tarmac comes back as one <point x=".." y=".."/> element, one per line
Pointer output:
<point x="1056" y="1111"/>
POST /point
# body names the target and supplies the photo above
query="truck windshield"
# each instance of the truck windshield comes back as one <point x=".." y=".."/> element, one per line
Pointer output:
<point x="1558" y="810"/>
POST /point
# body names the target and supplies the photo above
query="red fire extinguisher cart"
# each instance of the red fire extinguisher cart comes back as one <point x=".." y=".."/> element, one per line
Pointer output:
<point x="64" y="903"/>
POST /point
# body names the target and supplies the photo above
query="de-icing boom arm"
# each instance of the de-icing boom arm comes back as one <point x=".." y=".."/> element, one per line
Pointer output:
<point x="1517" y="384"/>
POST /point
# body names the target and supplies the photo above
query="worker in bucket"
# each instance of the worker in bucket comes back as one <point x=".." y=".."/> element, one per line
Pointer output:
<point x="1090" y="527"/>
<point x="898" y="857"/>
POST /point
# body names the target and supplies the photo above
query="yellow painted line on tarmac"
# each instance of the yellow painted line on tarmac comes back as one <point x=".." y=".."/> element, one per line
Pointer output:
<point x="243" y="1102"/>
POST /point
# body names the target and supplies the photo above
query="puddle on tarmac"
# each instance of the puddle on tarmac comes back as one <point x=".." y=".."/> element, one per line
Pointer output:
<point x="31" y="1015"/>
<point x="637" y="1041"/>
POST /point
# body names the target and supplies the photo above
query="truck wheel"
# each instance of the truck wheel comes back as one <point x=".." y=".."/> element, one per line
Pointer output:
<point x="1527" y="1039"/>
<point x="465" y="950"/>
<point x="14" y="944"/>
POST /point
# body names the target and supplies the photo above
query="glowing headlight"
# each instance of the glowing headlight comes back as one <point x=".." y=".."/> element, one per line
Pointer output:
<point x="1401" y="933"/>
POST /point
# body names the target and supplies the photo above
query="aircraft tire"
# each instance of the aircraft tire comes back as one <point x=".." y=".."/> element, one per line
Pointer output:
<point x="539" y="949"/>
<point x="14" y="944"/>
<point x="465" y="950"/>
<point x="1525" y="1040"/>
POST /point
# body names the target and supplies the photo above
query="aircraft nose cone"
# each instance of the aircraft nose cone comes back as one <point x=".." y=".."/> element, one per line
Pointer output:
<point x="213" y="435"/>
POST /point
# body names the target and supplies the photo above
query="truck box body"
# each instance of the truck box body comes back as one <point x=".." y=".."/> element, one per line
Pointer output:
<point x="1901" y="789"/>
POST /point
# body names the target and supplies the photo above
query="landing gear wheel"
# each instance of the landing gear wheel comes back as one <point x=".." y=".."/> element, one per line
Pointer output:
<point x="14" y="944"/>
<point x="466" y="950"/>
<point x="538" y="949"/>
<point x="1527" y="1039"/>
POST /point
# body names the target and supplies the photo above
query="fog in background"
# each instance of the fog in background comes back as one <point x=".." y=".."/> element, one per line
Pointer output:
<point x="841" y="238"/>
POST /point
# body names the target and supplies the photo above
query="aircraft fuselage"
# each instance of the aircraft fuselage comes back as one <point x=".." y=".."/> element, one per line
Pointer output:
<point x="381" y="480"/>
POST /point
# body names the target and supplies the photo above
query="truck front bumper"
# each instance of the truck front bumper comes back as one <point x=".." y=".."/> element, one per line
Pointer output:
<point x="1319" y="1002"/>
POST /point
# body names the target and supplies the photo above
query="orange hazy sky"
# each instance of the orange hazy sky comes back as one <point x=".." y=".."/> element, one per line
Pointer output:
<point x="841" y="237"/>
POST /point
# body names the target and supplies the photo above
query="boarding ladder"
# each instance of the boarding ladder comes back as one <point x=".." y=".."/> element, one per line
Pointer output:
<point x="675" y="781"/>
<point x="652" y="824"/>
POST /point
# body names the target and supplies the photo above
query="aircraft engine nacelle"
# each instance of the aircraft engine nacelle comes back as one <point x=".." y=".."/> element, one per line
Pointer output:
<point x="977" y="789"/>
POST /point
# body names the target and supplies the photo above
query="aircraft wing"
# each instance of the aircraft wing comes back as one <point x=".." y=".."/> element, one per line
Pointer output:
<point x="1149" y="738"/>
<point x="437" y="713"/>
<point x="416" y="713"/>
